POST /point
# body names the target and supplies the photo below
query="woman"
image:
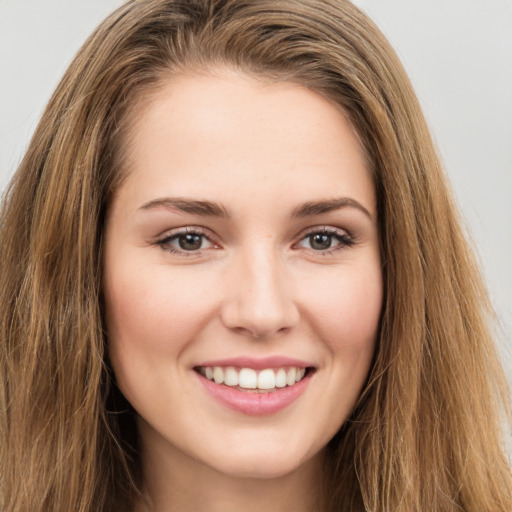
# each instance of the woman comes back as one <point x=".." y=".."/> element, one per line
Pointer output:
<point x="233" y="278"/>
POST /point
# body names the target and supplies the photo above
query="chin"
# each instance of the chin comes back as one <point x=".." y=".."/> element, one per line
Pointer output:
<point x="259" y="468"/>
<point x="263" y="460"/>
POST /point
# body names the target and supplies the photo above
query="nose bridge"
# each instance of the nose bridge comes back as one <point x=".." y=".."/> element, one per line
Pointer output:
<point x="261" y="303"/>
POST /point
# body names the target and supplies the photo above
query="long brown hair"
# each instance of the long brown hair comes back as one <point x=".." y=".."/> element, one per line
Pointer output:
<point x="426" y="433"/>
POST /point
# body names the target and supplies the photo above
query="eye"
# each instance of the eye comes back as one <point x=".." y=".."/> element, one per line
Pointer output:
<point x="186" y="241"/>
<point x="326" y="240"/>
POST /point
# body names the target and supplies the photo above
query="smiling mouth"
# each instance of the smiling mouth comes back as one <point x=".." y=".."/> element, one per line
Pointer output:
<point x="254" y="381"/>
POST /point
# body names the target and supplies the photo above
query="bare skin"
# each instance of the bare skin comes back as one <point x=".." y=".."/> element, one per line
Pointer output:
<point x="246" y="228"/>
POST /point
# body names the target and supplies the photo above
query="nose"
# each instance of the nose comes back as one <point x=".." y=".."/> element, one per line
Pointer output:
<point x="260" y="302"/>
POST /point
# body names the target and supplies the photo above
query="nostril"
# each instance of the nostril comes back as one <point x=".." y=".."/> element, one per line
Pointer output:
<point x="258" y="332"/>
<point x="261" y="310"/>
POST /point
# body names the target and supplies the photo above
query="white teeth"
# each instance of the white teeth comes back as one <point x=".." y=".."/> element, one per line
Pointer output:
<point x="249" y="378"/>
<point x="218" y="375"/>
<point x="267" y="379"/>
<point x="281" y="378"/>
<point x="230" y="376"/>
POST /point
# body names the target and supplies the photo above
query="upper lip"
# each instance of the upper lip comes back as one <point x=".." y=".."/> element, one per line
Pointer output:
<point x="258" y="363"/>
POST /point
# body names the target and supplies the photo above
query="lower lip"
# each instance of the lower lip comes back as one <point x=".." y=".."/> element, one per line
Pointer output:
<point x="255" y="404"/>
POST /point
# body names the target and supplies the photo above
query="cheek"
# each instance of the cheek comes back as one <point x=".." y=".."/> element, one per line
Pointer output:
<point x="150" y="308"/>
<point x="346" y="311"/>
<point x="151" y="318"/>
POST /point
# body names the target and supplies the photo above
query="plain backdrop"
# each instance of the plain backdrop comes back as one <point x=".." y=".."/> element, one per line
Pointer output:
<point x="458" y="54"/>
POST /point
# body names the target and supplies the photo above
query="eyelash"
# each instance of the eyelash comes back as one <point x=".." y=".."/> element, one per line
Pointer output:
<point x="344" y="240"/>
<point x="164" y="243"/>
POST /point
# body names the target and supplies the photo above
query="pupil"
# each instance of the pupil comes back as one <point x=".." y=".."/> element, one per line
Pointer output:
<point x="320" y="241"/>
<point x="190" y="242"/>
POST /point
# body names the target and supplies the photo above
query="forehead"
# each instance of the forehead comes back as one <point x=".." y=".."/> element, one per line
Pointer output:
<point x="197" y="132"/>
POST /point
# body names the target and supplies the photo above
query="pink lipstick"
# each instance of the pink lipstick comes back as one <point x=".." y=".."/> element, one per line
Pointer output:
<point x="255" y="386"/>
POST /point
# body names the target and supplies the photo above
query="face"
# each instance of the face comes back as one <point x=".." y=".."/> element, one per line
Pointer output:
<point x="242" y="279"/>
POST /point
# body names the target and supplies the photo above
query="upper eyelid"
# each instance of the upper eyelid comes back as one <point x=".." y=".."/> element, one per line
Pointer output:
<point x="172" y="233"/>
<point x="332" y="230"/>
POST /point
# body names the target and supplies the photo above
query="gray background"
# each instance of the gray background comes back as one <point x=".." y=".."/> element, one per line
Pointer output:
<point x="457" y="52"/>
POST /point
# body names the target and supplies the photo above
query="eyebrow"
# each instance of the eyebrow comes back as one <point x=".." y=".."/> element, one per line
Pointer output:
<point x="212" y="209"/>
<point x="318" y="207"/>
<point x="185" y="205"/>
